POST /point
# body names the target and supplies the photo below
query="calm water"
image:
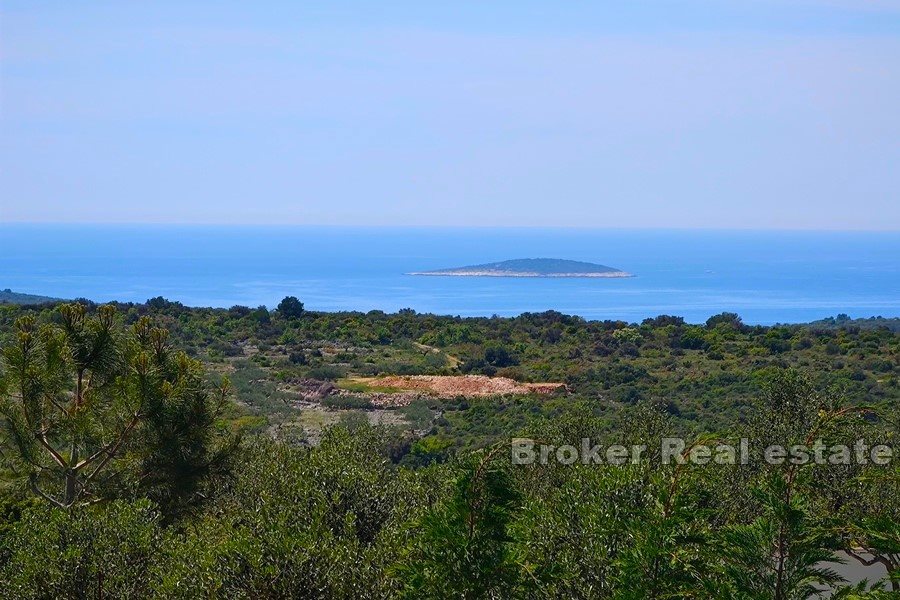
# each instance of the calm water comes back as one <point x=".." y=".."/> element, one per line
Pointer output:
<point x="766" y="277"/>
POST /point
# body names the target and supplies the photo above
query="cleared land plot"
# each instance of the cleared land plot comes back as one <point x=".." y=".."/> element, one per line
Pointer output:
<point x="451" y="386"/>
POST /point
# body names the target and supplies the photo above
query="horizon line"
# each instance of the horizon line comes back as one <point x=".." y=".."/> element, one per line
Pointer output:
<point x="265" y="225"/>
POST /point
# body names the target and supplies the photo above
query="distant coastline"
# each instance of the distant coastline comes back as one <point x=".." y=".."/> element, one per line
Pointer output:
<point x="531" y="267"/>
<point x="8" y="296"/>
<point x="766" y="277"/>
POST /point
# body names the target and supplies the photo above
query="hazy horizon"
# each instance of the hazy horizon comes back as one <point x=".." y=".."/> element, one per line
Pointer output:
<point x="771" y="114"/>
<point x="585" y="228"/>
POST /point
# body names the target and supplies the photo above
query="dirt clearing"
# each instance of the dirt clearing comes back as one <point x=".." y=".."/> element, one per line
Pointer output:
<point x="450" y="386"/>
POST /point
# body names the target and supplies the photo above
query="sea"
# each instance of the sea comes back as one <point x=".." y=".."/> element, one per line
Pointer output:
<point x="765" y="276"/>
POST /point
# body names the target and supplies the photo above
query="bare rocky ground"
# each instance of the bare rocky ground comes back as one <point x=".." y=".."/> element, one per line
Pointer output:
<point x="395" y="391"/>
<point x="452" y="386"/>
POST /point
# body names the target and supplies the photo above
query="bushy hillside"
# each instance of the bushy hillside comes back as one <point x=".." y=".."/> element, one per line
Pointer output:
<point x="8" y="296"/>
<point x="130" y="469"/>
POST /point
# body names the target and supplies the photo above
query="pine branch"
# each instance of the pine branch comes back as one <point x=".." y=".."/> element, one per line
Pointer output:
<point x="57" y="457"/>
<point x="112" y="451"/>
<point x="34" y="487"/>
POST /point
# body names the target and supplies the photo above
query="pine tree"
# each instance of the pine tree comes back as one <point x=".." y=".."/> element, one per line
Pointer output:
<point x="88" y="408"/>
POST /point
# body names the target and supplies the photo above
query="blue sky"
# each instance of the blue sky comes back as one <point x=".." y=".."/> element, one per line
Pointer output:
<point x="673" y="113"/>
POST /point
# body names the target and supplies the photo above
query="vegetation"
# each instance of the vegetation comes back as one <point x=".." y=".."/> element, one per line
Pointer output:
<point x="81" y="396"/>
<point x="172" y="502"/>
<point x="8" y="296"/>
<point x="290" y="308"/>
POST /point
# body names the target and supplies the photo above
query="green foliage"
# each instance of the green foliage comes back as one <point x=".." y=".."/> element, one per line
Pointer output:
<point x="371" y="512"/>
<point x="708" y="372"/>
<point x="327" y="372"/>
<point x="463" y="548"/>
<point x="726" y="320"/>
<point x="780" y="554"/>
<point x="89" y="410"/>
<point x="297" y="523"/>
<point x="88" y="552"/>
<point x="290" y="308"/>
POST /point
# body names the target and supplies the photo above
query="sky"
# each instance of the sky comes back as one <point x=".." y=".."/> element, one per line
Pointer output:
<point x="751" y="114"/>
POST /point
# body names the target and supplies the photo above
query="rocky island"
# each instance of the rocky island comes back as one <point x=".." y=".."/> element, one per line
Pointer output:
<point x="531" y="267"/>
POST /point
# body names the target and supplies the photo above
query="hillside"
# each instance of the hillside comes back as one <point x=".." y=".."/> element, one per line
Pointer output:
<point x="843" y="321"/>
<point x="293" y="376"/>
<point x="8" y="296"/>
<point x="531" y="267"/>
<point x="310" y="486"/>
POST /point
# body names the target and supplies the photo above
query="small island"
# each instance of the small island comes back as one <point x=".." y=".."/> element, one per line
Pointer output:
<point x="531" y="267"/>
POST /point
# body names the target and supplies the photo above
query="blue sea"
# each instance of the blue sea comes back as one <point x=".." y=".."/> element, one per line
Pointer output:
<point x="766" y="277"/>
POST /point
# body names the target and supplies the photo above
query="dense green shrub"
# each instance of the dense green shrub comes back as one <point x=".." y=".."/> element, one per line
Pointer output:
<point x="106" y="550"/>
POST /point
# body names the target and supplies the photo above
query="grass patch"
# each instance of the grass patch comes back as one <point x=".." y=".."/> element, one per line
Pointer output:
<point x="362" y="386"/>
